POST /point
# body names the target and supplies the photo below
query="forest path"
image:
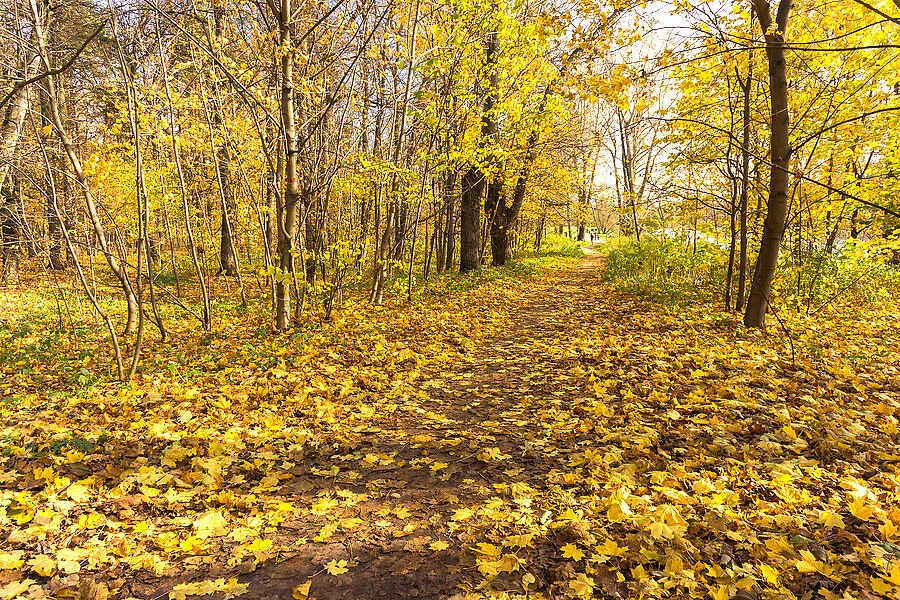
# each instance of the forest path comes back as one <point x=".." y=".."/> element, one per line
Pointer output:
<point x="441" y="463"/>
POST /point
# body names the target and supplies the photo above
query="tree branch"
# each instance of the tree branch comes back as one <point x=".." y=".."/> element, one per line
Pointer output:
<point x="21" y="84"/>
<point x="878" y="12"/>
<point x="793" y="173"/>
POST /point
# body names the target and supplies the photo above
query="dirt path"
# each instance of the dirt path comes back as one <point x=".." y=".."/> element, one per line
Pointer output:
<point x="404" y="527"/>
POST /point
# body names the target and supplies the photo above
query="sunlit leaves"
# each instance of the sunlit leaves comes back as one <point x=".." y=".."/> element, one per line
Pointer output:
<point x="336" y="567"/>
<point x="572" y="551"/>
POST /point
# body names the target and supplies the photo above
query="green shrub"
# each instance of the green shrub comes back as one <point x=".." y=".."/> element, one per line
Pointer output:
<point x="559" y="245"/>
<point x="852" y="277"/>
<point x="666" y="270"/>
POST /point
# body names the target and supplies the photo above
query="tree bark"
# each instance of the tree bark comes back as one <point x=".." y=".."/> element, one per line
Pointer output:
<point x="478" y="177"/>
<point x="228" y="263"/>
<point x="10" y="228"/>
<point x="286" y="208"/>
<point x="14" y="118"/>
<point x="776" y="212"/>
<point x="746" y="86"/>
<point x="54" y="235"/>
<point x="469" y="219"/>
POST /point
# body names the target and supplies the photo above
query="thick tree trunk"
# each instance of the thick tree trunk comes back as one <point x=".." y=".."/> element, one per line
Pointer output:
<point x="469" y="220"/>
<point x="495" y="203"/>
<point x="776" y="213"/>
<point x="14" y="117"/>
<point x="449" y="234"/>
<point x="477" y="179"/>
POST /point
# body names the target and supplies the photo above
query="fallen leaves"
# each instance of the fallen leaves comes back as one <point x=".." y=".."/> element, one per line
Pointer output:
<point x="605" y="447"/>
<point x="572" y="551"/>
<point x="336" y="567"/>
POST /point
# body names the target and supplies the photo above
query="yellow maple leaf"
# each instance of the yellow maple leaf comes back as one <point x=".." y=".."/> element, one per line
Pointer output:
<point x="259" y="545"/>
<point x="894" y="574"/>
<point x="660" y="531"/>
<point x="805" y="566"/>
<point x="210" y="524"/>
<point x="618" y="511"/>
<point x="336" y="567"/>
<point x="770" y="573"/>
<point x="439" y="545"/>
<point x="324" y="505"/>
<point x="489" y="568"/>
<point x="489" y="454"/>
<point x="69" y="566"/>
<point x="880" y="586"/>
<point x="720" y="593"/>
<point x="13" y="589"/>
<point x="523" y="540"/>
<point x="861" y="510"/>
<point x="462" y="514"/>
<point x="11" y="560"/>
<point x="489" y="550"/>
<point x="582" y="585"/>
<point x="831" y="519"/>
<point x="141" y="527"/>
<point x="191" y="545"/>
<point x="301" y="592"/>
<point x="43" y="565"/>
<point x="610" y="548"/>
<point x="78" y="493"/>
<point x="888" y="530"/>
<point x="572" y="551"/>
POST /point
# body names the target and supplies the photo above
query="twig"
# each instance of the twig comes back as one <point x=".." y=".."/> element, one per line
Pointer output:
<point x="19" y="85"/>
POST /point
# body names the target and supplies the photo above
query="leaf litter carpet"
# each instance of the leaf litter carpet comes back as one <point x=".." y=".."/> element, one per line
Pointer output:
<point x="555" y="438"/>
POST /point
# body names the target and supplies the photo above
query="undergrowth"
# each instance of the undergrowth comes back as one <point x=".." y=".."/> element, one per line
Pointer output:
<point x="676" y="274"/>
<point x="665" y="271"/>
<point x="64" y="351"/>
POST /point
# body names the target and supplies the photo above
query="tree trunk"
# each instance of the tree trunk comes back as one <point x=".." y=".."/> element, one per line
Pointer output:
<point x="54" y="235"/>
<point x="729" y="274"/>
<point x="10" y="228"/>
<point x="776" y="212"/>
<point x="469" y="220"/>
<point x="14" y="117"/>
<point x="449" y="234"/>
<point x="228" y="262"/>
<point x="286" y="209"/>
<point x="745" y="183"/>
<point x="476" y="179"/>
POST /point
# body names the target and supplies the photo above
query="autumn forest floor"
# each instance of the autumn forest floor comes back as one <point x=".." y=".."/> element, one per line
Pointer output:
<point x="552" y="437"/>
